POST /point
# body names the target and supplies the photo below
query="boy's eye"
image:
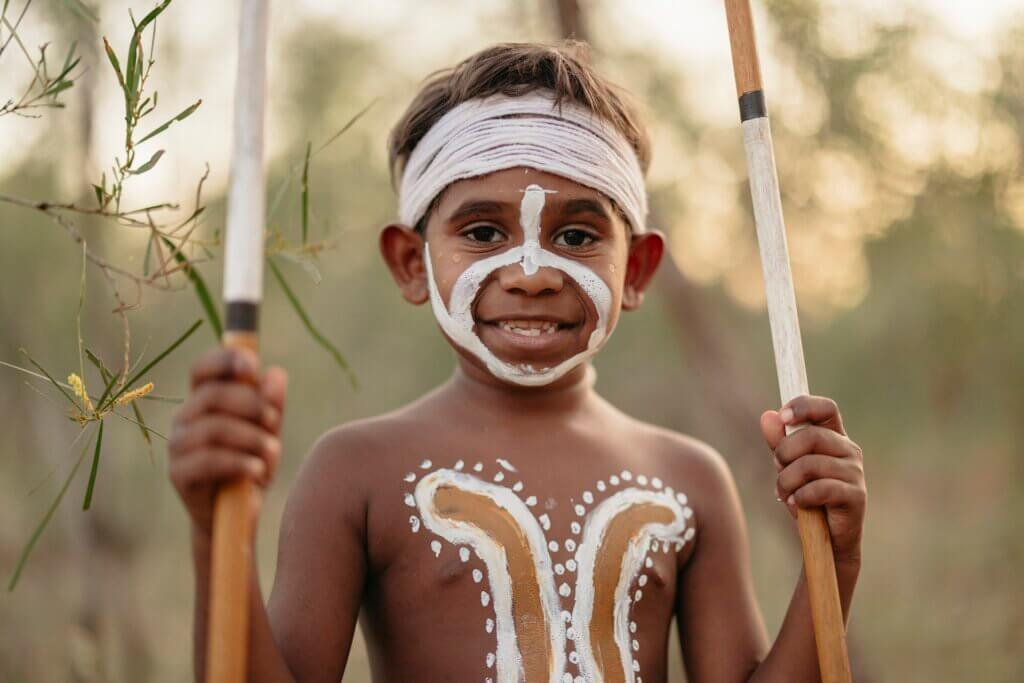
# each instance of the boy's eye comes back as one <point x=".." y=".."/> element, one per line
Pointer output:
<point x="484" y="233"/>
<point x="573" y="238"/>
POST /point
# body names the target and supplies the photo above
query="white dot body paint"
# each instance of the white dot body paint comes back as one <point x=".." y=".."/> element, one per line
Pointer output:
<point x="508" y="657"/>
<point x="456" y="319"/>
<point x="597" y="523"/>
<point x="568" y="643"/>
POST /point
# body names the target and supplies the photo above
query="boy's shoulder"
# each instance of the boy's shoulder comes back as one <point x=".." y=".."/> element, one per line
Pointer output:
<point x="702" y="462"/>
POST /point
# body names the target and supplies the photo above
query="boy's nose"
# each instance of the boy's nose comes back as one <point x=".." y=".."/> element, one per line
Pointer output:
<point x="512" y="278"/>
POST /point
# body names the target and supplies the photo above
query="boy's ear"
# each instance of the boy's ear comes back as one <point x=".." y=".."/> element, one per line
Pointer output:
<point x="645" y="252"/>
<point x="402" y="250"/>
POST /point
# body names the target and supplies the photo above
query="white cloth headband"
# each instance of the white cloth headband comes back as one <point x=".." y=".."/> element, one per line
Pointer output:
<point x="482" y="136"/>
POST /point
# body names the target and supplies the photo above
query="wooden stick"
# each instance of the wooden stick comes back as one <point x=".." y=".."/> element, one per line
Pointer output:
<point x="231" y="561"/>
<point x="819" y="562"/>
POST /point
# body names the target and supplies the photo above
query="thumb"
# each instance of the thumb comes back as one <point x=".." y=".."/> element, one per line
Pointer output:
<point x="274" y="385"/>
<point x="772" y="428"/>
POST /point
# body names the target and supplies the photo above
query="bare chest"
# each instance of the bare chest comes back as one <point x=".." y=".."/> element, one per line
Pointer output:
<point x="558" y="571"/>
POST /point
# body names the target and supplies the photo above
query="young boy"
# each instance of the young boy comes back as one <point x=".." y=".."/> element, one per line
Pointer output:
<point x="512" y="525"/>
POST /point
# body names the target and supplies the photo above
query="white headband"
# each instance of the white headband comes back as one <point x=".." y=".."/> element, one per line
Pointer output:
<point x="482" y="136"/>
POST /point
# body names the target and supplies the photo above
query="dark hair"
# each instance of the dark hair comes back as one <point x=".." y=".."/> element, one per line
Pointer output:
<point x="515" y="69"/>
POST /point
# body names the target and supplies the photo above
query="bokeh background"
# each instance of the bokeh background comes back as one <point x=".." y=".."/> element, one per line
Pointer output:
<point x="898" y="130"/>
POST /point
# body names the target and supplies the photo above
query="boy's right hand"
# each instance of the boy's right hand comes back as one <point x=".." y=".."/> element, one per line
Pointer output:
<point x="227" y="428"/>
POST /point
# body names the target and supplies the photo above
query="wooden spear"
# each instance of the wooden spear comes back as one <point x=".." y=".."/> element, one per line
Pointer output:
<point x="231" y="561"/>
<point x="819" y="563"/>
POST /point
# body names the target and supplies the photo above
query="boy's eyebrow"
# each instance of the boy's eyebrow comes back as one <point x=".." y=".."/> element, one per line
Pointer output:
<point x="478" y="206"/>
<point x="491" y="207"/>
<point x="583" y="205"/>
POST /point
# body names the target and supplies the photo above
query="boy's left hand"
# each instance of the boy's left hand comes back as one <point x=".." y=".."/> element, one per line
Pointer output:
<point x="819" y="466"/>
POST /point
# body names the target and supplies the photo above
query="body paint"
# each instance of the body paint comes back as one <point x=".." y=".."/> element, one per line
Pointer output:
<point x="456" y="319"/>
<point x="616" y="541"/>
<point x="496" y="524"/>
<point x="611" y="557"/>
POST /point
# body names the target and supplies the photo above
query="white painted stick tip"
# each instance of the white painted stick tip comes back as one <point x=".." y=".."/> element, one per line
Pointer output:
<point x="778" y="278"/>
<point x="243" y="246"/>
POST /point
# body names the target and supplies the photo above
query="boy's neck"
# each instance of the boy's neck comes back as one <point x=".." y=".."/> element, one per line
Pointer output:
<point x="480" y="389"/>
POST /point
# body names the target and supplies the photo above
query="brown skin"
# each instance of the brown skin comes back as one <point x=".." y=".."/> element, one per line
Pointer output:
<point x="346" y="548"/>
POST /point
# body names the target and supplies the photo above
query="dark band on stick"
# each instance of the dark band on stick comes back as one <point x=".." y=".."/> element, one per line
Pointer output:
<point x="241" y="316"/>
<point x="752" y="105"/>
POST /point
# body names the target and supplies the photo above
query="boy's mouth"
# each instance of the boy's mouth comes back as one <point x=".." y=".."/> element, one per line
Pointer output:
<point x="540" y="339"/>
<point x="531" y="328"/>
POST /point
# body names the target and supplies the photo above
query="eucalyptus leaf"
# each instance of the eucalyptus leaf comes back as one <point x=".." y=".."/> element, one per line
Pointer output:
<point x="95" y="468"/>
<point x="304" y="317"/>
<point x="205" y="300"/>
<point x="27" y="550"/>
<point x="180" y="117"/>
<point x="149" y="164"/>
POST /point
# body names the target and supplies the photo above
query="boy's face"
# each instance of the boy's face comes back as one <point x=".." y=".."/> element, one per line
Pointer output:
<point x="576" y="266"/>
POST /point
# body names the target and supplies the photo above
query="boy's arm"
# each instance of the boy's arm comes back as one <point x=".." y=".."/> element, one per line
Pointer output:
<point x="721" y="630"/>
<point x="305" y="631"/>
<point x="321" y="561"/>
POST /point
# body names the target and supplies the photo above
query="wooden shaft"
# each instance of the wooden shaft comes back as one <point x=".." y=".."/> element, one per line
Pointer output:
<point x="230" y="565"/>
<point x="233" y="513"/>
<point x="745" y="63"/>
<point x="819" y="562"/>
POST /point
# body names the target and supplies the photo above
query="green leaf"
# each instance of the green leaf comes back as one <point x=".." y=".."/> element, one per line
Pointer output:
<point x="99" y="195"/>
<point x="108" y="376"/>
<point x="143" y="428"/>
<point x="95" y="468"/>
<point x="317" y="336"/>
<point x="113" y="61"/>
<point x="149" y="164"/>
<point x="177" y="342"/>
<point x="46" y="520"/>
<point x="200" y="286"/>
<point x="67" y="60"/>
<point x="149" y="251"/>
<point x="52" y="380"/>
<point x="305" y="192"/>
<point x="351" y="122"/>
<point x="57" y="88"/>
<point x="82" y="10"/>
<point x="180" y="117"/>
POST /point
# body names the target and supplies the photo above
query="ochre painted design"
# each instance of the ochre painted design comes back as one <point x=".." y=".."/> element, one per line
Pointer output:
<point x="574" y="631"/>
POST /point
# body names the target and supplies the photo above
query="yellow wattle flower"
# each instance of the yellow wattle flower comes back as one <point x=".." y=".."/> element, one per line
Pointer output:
<point x="130" y="396"/>
<point x="78" y="386"/>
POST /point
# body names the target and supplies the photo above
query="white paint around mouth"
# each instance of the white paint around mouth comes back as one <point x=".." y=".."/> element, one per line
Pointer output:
<point x="456" y="319"/>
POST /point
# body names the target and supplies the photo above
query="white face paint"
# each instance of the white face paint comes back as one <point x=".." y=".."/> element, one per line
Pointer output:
<point x="457" y="318"/>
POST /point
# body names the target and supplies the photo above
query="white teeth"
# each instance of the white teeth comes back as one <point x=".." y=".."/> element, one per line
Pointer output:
<point x="529" y="328"/>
